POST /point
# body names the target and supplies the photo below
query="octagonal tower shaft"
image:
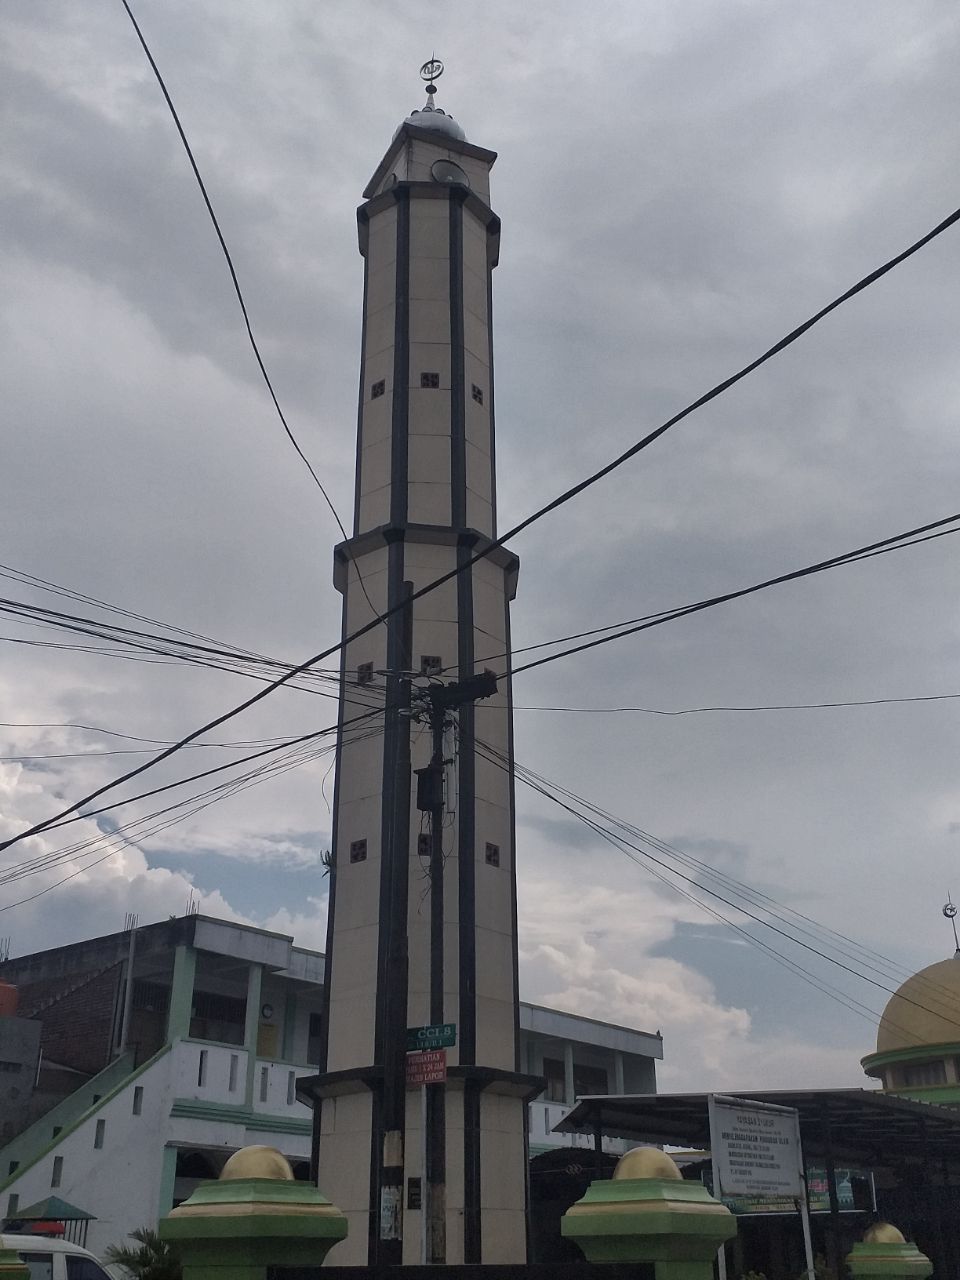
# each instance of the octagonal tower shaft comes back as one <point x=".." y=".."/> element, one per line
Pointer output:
<point x="425" y="504"/>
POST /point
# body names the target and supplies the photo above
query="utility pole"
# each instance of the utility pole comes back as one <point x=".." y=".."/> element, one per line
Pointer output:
<point x="441" y="699"/>
<point x="392" y="1121"/>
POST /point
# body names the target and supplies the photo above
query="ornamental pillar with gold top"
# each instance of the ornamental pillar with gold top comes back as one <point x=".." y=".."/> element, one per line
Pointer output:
<point x="884" y="1252"/>
<point x="648" y="1213"/>
<point x="256" y="1216"/>
<point x="11" y="1268"/>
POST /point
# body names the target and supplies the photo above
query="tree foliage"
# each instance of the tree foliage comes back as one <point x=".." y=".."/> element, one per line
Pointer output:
<point x="151" y="1259"/>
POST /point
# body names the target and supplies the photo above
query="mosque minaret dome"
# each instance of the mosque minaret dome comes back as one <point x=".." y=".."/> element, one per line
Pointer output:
<point x="918" y="1039"/>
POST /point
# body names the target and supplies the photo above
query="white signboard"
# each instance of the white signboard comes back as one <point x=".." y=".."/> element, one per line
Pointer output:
<point x="755" y="1149"/>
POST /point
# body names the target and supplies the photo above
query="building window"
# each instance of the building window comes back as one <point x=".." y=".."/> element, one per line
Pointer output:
<point x="83" y="1269"/>
<point x="365" y="673"/>
<point x="202" y="1069"/>
<point x="377" y="390"/>
<point x="291" y="1088"/>
<point x="430" y="380"/>
<point x="314" y="1037"/>
<point x="13" y="1203"/>
<point x="924" y="1073"/>
<point x="57" y="1176"/>
<point x="492" y="855"/>
<point x="57" y="1130"/>
<point x="138" y="1100"/>
<point x="264" y="1083"/>
<point x="100" y="1134"/>
<point x="423" y="844"/>
<point x="217" y="1017"/>
<point x="588" y="1080"/>
<point x="234" y="1067"/>
<point x="14" y="1166"/>
<point x="477" y="393"/>
<point x="11" y="1068"/>
<point x="358" y="850"/>
<point x="431" y="664"/>
<point x="553" y="1073"/>
<point x="150" y="997"/>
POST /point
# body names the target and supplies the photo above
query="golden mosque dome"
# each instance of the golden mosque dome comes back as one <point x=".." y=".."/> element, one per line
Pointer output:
<point x="257" y="1162"/>
<point x="883" y="1233"/>
<point x="646" y="1162"/>
<point x="924" y="1011"/>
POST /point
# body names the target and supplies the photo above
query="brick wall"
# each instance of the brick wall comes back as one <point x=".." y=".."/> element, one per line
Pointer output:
<point x="78" y="1025"/>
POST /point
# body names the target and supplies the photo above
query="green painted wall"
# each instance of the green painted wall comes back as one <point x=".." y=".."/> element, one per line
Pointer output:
<point x="252" y="1026"/>
<point x="181" y="993"/>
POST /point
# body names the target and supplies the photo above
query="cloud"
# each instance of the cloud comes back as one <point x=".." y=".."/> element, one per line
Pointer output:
<point x="678" y="188"/>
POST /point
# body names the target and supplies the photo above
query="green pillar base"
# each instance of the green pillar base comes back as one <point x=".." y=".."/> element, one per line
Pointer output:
<point x="237" y="1228"/>
<point x="676" y="1225"/>
<point x="11" y="1268"/>
<point x="678" y="1270"/>
<point x="888" y="1261"/>
<point x="220" y="1272"/>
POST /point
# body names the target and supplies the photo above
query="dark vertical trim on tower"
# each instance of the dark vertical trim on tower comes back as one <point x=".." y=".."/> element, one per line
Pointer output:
<point x="361" y="400"/>
<point x="492" y="401"/>
<point x="513" y="839"/>
<point x="458" y="424"/>
<point x="467" y="871"/>
<point x="393" y="833"/>
<point x="391" y="999"/>
<point x="373" y="1215"/>
<point x="466" y="814"/>
<point x="400" y="425"/>
<point x="472" y="1235"/>
<point x="515" y="958"/>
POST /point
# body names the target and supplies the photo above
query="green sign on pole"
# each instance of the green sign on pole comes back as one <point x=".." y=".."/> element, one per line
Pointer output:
<point x="443" y="1035"/>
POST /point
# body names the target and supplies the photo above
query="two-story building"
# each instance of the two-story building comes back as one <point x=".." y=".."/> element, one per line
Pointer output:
<point x="164" y="1050"/>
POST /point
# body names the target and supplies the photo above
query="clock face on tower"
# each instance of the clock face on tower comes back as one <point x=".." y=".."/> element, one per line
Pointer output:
<point x="449" y="172"/>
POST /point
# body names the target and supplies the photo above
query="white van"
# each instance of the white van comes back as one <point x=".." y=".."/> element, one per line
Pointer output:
<point x="56" y="1259"/>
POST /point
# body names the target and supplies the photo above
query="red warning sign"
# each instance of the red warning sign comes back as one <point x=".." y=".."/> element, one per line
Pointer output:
<point x="429" y="1067"/>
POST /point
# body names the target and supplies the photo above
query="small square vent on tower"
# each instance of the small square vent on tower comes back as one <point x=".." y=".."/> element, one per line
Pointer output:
<point x="430" y="380"/>
<point x="378" y="388"/>
<point x="365" y="673"/>
<point x="492" y="855"/>
<point x="431" y="664"/>
<point x="358" y="850"/>
<point x="477" y="393"/>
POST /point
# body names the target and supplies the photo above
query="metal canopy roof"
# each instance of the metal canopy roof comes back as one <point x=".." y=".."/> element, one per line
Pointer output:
<point x="860" y="1125"/>
<point x="52" y="1209"/>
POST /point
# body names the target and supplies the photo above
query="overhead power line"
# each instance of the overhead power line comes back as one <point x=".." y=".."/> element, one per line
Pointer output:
<point x="229" y="260"/>
<point x="68" y="593"/>
<point x="569" y="801"/>
<point x="236" y="286"/>
<point x="131" y="737"/>
<point x="115" y="841"/>
<point x="771" y="706"/>
<point x="559" y="501"/>
<point x="37" y="863"/>
<point x="144" y="646"/>
<point x="295" y="753"/>
<point x="874" y="548"/>
<point x="883" y="547"/>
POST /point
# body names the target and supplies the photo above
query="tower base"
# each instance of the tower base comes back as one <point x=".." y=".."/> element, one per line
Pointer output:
<point x="486" y="1164"/>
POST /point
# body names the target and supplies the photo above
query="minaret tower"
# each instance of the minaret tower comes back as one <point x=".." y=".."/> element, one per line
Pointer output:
<point x="423" y="923"/>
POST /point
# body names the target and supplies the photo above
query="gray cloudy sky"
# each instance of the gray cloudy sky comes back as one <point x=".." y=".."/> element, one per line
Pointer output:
<point x="679" y="185"/>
